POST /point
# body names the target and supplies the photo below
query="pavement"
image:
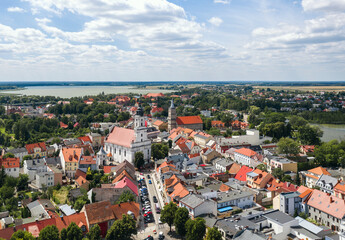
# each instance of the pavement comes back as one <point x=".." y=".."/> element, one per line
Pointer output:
<point x="152" y="229"/>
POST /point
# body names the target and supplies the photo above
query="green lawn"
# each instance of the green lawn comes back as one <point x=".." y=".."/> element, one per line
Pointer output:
<point x="61" y="195"/>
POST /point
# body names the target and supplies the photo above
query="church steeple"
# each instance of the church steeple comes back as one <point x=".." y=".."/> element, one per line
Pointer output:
<point x="172" y="117"/>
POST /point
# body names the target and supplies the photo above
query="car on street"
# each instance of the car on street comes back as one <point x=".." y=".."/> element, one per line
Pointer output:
<point x="155" y="199"/>
<point x="150" y="182"/>
<point x="148" y="177"/>
<point x="149" y="238"/>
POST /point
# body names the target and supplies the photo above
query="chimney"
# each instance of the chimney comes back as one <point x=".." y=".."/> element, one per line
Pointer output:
<point x="331" y="200"/>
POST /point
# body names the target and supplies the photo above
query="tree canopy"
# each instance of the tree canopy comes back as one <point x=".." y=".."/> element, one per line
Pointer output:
<point x="168" y="214"/>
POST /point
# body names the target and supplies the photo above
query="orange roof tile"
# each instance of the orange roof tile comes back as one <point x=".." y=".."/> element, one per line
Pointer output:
<point x="10" y="162"/>
<point x="305" y="193"/>
<point x="179" y="191"/>
<point x="224" y="188"/>
<point x="99" y="212"/>
<point x="71" y="154"/>
<point x="188" y="120"/>
<point x="340" y="186"/>
<point x="124" y="208"/>
<point x="312" y="176"/>
<point x="246" y="151"/>
<point x="121" y="175"/>
<point x="81" y="180"/>
<point x="319" y="171"/>
<point x="32" y="146"/>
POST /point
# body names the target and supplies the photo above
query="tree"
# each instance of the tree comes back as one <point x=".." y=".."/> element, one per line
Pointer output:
<point x="50" y="232"/>
<point x="74" y="232"/>
<point x="122" y="229"/>
<point x="195" y="229"/>
<point x="27" y="157"/>
<point x="309" y="135"/>
<point x="8" y="155"/>
<point x="278" y="173"/>
<point x="25" y="212"/>
<point x="63" y="233"/>
<point x="262" y="167"/>
<point x="94" y="233"/>
<point x="298" y="179"/>
<point x="139" y="159"/>
<point x="126" y="196"/>
<point x="181" y="217"/>
<point x="22" y="235"/>
<point x="213" y="234"/>
<point x="22" y="182"/>
<point x="288" y="146"/>
<point x="168" y="214"/>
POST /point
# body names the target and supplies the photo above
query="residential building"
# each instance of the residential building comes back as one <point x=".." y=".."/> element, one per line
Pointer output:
<point x="70" y="158"/>
<point x="258" y="179"/>
<point x="339" y="190"/>
<point x="284" y="164"/>
<point x="242" y="173"/>
<point x="86" y="162"/>
<point x="310" y="177"/>
<point x="248" y="157"/>
<point x="287" y="202"/>
<point x="326" y="183"/>
<point x="11" y="166"/>
<point x="37" y="150"/>
<point x="191" y="122"/>
<point x="123" y="143"/>
<point x="241" y="199"/>
<point x="223" y="165"/>
<point x="17" y="152"/>
<point x="209" y="154"/>
<point x="197" y="206"/>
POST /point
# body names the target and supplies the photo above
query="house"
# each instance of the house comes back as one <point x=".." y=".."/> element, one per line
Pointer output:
<point x="81" y="182"/>
<point x="284" y="164"/>
<point x="339" y="190"/>
<point x="191" y="122"/>
<point x="177" y="192"/>
<point x="248" y="157"/>
<point x="37" y="210"/>
<point x="96" y="139"/>
<point x="307" y="149"/>
<point x="209" y="154"/>
<point x="11" y="166"/>
<point x="310" y="177"/>
<point x="258" y="179"/>
<point x="218" y="124"/>
<point x="202" y="139"/>
<point x="223" y="165"/>
<point x="99" y="213"/>
<point x="123" y="143"/>
<point x="44" y="179"/>
<point x="242" y="173"/>
<point x="70" y="158"/>
<point x="197" y="206"/>
<point x="326" y="209"/>
<point x="234" y="169"/>
<point x="130" y="208"/>
<point x="241" y="199"/>
<point x="86" y="162"/>
<point x="124" y="166"/>
<point x="17" y="152"/>
<point x="67" y="210"/>
<point x="326" y="183"/>
<point x="157" y="124"/>
<point x="37" y="150"/>
<point x="288" y="202"/>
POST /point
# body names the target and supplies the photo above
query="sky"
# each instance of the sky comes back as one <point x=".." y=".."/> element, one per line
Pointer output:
<point x="175" y="40"/>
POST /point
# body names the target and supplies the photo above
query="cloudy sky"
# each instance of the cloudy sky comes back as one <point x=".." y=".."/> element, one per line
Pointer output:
<point x="160" y="40"/>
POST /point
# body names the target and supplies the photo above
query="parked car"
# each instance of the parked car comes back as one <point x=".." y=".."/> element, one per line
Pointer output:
<point x="150" y="182"/>
<point x="155" y="199"/>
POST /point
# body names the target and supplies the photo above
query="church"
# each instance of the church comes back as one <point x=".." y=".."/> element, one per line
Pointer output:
<point x="191" y="122"/>
<point x="122" y="143"/>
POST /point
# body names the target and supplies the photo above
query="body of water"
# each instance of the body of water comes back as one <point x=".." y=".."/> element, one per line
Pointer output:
<point x="332" y="131"/>
<point x="79" y="91"/>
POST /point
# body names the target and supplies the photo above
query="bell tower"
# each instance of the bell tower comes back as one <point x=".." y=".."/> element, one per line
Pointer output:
<point x="172" y="117"/>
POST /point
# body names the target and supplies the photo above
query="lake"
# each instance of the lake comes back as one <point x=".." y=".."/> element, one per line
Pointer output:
<point x="332" y="131"/>
<point x="80" y="91"/>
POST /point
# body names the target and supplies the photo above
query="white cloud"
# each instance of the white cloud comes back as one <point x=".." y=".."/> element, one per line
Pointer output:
<point x="323" y="5"/>
<point x="216" y="21"/>
<point x="222" y="1"/>
<point x="15" y="9"/>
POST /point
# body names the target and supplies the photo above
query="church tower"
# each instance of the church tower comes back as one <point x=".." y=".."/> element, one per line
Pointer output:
<point x="172" y="117"/>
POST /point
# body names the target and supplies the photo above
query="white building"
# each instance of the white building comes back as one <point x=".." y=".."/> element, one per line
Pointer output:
<point x="197" y="206"/>
<point x="248" y="157"/>
<point x="123" y="143"/>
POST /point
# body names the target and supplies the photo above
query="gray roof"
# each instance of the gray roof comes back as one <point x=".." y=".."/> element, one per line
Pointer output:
<point x="67" y="210"/>
<point x="191" y="201"/>
<point x="37" y="209"/>
<point x="4" y="214"/>
<point x="252" y="174"/>
<point x="231" y="225"/>
<point x="200" y="136"/>
<point x="247" y="234"/>
<point x="279" y="217"/>
<point x="224" y="162"/>
<point x="325" y="179"/>
<point x="17" y="150"/>
<point x="8" y="220"/>
<point x="309" y="226"/>
<point x="232" y="195"/>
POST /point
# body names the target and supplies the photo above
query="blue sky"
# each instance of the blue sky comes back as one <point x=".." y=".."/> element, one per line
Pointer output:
<point x="160" y="40"/>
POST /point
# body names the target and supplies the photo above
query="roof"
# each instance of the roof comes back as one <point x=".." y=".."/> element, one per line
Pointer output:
<point x="67" y="210"/>
<point x="32" y="146"/>
<point x="242" y="173"/>
<point x="188" y="120"/>
<point x="109" y="169"/>
<point x="308" y="225"/>
<point x="99" y="212"/>
<point x="192" y="201"/>
<point x="10" y="162"/>
<point x="340" y="186"/>
<point x="124" y="208"/>
<point x="246" y="151"/>
<point x="319" y="171"/>
<point x="158" y="122"/>
<point x="85" y="139"/>
<point x="279" y="217"/>
<point x="81" y="180"/>
<point x="88" y="160"/>
<point x="235" y="167"/>
<point x="71" y="154"/>
<point x="121" y="137"/>
<point x="329" y="204"/>
<point x="129" y="183"/>
<point x="179" y="191"/>
<point x="121" y="175"/>
<point x="232" y="195"/>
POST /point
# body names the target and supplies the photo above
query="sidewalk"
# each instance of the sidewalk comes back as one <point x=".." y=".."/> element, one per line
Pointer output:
<point x="161" y="201"/>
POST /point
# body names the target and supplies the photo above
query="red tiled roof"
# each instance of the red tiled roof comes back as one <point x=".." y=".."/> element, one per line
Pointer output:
<point x="121" y="136"/>
<point x="340" y="186"/>
<point x="121" y="175"/>
<point x="85" y="139"/>
<point x="305" y="193"/>
<point x="188" y="120"/>
<point x="124" y="208"/>
<point x="319" y="171"/>
<point x="88" y="160"/>
<point x="156" y="109"/>
<point x="10" y="162"/>
<point x="235" y="168"/>
<point x="312" y="176"/>
<point x="179" y="191"/>
<point x="99" y="212"/>
<point x="158" y="122"/>
<point x="224" y="188"/>
<point x="71" y="154"/>
<point x="79" y="173"/>
<point x="329" y="204"/>
<point x="32" y="146"/>
<point x="63" y="125"/>
<point x="246" y="151"/>
<point x="129" y="183"/>
<point x="81" y="180"/>
<point x="242" y="173"/>
<point x="155" y="95"/>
